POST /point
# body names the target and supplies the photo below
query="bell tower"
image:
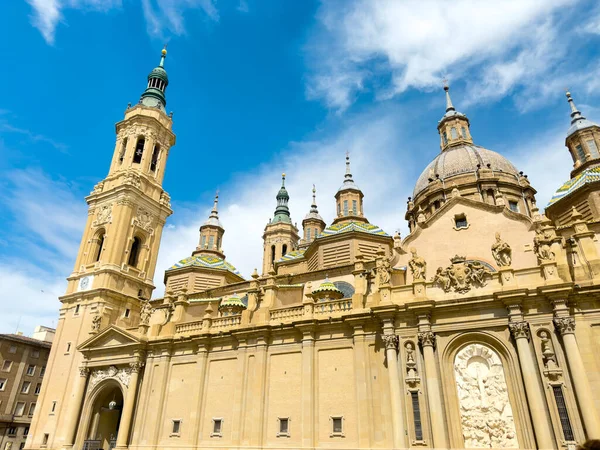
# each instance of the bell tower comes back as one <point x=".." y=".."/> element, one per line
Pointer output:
<point x="128" y="209"/>
<point x="280" y="236"/>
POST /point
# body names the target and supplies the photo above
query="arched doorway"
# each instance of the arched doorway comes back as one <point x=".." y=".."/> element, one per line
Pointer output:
<point x="105" y="416"/>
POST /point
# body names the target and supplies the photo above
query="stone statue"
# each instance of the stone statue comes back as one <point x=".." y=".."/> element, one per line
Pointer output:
<point x="411" y="364"/>
<point x="418" y="265"/>
<point x="96" y="321"/>
<point x="542" y="245"/>
<point x="145" y="313"/>
<point x="548" y="355"/>
<point x="384" y="271"/>
<point x="486" y="414"/>
<point x="442" y="279"/>
<point x="502" y="252"/>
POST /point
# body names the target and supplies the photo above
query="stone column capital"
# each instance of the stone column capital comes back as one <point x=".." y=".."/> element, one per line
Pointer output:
<point x="136" y="366"/>
<point x="84" y="371"/>
<point x="519" y="330"/>
<point x="565" y="325"/>
<point x="391" y="341"/>
<point x="427" y="338"/>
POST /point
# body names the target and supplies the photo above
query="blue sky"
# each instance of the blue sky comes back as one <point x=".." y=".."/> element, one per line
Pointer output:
<point x="259" y="87"/>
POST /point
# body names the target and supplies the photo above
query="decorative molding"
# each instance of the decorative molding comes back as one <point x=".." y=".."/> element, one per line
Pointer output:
<point x="122" y="375"/>
<point x="390" y="341"/>
<point x="84" y="371"/>
<point x="104" y="215"/>
<point x="462" y="275"/>
<point x="136" y="366"/>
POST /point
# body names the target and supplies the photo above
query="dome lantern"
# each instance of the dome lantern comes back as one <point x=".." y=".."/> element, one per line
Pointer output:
<point x="154" y="95"/>
<point x="454" y="126"/>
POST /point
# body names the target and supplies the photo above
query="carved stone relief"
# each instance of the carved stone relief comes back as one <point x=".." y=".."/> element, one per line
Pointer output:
<point x="144" y="219"/>
<point x="121" y="375"/>
<point x="104" y="215"/>
<point x="462" y="275"/>
<point x="417" y="265"/>
<point x="485" y="410"/>
<point x="542" y="245"/>
<point x="501" y="252"/>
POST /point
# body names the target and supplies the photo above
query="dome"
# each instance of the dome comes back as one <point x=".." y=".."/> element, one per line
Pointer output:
<point x="159" y="72"/>
<point x="460" y="160"/>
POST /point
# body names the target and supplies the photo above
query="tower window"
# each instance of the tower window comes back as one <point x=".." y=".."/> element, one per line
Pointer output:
<point x="308" y="234"/>
<point x="284" y="250"/>
<point x="453" y="133"/>
<point x="139" y="150"/>
<point x="203" y="241"/>
<point x="345" y="207"/>
<point x="45" y="439"/>
<point x="211" y="242"/>
<point x="316" y="233"/>
<point x="99" y="248"/>
<point x="514" y="206"/>
<point x="354" y="209"/>
<point x="464" y="132"/>
<point x="134" y="252"/>
<point x="272" y="254"/>
<point x="591" y="145"/>
<point x="339" y="209"/>
<point x="123" y="149"/>
<point x="154" y="160"/>
<point x="445" y="138"/>
<point x="580" y="152"/>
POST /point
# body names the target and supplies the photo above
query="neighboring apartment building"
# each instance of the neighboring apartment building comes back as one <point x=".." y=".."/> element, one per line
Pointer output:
<point x="22" y="367"/>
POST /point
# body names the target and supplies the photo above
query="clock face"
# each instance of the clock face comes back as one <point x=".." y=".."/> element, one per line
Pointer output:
<point x="85" y="283"/>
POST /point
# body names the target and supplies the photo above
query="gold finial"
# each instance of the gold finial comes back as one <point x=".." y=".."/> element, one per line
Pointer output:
<point x="164" y="50"/>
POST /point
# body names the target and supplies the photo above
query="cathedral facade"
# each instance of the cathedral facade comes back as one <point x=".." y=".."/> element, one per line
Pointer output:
<point x="480" y="329"/>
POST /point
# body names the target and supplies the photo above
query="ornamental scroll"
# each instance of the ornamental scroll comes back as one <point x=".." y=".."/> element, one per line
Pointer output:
<point x="485" y="410"/>
<point x="121" y="375"/>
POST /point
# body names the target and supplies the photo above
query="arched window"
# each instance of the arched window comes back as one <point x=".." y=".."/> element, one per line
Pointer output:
<point x="272" y="254"/>
<point x="139" y="150"/>
<point x="284" y="250"/>
<point x="134" y="252"/>
<point x="100" y="244"/>
<point x="123" y="149"/>
<point x="154" y="160"/>
<point x="445" y="138"/>
<point x="453" y="133"/>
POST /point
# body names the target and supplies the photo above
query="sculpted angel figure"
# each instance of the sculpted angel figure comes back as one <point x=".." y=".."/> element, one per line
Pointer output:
<point x="145" y="313"/>
<point x="478" y="272"/>
<point x="541" y="246"/>
<point x="384" y="272"/>
<point x="418" y="265"/>
<point x="502" y="252"/>
<point x="442" y="279"/>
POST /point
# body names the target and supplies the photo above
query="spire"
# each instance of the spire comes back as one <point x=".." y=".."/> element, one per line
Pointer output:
<point x="282" y="212"/>
<point x="213" y="218"/>
<point x="348" y="180"/>
<point x="154" y="95"/>
<point x="578" y="120"/>
<point x="449" y="105"/>
<point x="314" y="212"/>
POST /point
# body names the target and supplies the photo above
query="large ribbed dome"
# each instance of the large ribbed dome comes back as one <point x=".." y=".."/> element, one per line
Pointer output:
<point x="462" y="159"/>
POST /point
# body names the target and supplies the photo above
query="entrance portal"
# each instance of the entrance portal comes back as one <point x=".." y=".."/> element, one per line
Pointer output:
<point x="105" y="417"/>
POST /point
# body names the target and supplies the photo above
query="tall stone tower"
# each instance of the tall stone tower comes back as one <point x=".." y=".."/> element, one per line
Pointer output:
<point x="117" y="256"/>
<point x="280" y="236"/>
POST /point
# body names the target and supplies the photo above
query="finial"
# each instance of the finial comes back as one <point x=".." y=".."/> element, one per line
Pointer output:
<point x="314" y="191"/>
<point x="449" y="105"/>
<point x="283" y="179"/>
<point x="575" y="113"/>
<point x="163" y="53"/>
<point x="348" y="175"/>
<point x="216" y="204"/>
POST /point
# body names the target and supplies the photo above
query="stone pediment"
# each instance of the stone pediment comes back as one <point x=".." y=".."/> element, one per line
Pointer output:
<point x="111" y="337"/>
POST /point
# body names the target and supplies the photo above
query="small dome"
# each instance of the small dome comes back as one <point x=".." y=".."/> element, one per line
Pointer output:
<point x="214" y="221"/>
<point x="460" y="160"/>
<point x="159" y="72"/>
<point x="327" y="290"/>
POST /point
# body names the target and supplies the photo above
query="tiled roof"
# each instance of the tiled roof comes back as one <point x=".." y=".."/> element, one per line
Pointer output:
<point x="234" y="300"/>
<point x="208" y="261"/>
<point x="25" y="340"/>
<point x="296" y="254"/>
<point x="587" y="176"/>
<point x="346" y="227"/>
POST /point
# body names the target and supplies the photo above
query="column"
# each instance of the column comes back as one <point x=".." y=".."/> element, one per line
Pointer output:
<point x="537" y="405"/>
<point x="308" y="388"/>
<point x="128" y="405"/>
<point x="436" y="408"/>
<point x="258" y="406"/>
<point x="391" y="355"/>
<point x="202" y="358"/>
<point x="239" y="392"/>
<point x="566" y="327"/>
<point x="362" y="386"/>
<point x="75" y="406"/>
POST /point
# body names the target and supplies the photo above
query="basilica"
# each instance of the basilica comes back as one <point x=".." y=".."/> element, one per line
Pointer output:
<point x="479" y="329"/>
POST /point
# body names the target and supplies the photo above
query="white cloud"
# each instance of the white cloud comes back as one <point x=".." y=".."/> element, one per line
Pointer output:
<point x="160" y="15"/>
<point x="390" y="46"/>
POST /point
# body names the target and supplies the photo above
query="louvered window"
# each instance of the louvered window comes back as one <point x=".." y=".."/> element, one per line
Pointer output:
<point x="563" y="413"/>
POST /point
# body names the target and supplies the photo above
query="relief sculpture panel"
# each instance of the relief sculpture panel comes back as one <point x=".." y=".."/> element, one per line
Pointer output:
<point x="486" y="414"/>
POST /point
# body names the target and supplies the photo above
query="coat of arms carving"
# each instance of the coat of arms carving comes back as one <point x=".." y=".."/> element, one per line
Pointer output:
<point x="144" y="219"/>
<point x="462" y="275"/>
